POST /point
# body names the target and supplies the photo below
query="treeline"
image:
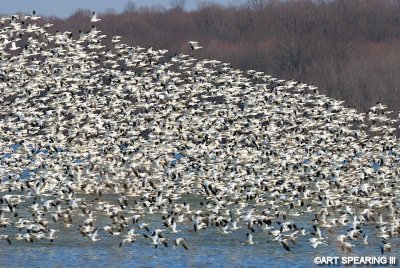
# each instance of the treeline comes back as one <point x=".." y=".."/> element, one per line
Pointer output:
<point x="350" y="49"/>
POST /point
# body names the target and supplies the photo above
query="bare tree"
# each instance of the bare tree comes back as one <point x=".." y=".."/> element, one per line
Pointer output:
<point x="257" y="5"/>
<point x="293" y="58"/>
<point x="177" y="4"/>
<point x="204" y="4"/>
<point x="110" y="10"/>
<point x="130" y="7"/>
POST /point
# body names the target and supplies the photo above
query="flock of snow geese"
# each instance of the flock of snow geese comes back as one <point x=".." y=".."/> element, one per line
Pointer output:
<point x="106" y="139"/>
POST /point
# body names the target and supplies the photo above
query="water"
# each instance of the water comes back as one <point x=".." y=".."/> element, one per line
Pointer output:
<point x="207" y="248"/>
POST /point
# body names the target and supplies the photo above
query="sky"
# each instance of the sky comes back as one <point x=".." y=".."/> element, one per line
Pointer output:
<point x="65" y="8"/>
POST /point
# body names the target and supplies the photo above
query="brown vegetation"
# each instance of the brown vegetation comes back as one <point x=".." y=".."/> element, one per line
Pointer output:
<point x="349" y="48"/>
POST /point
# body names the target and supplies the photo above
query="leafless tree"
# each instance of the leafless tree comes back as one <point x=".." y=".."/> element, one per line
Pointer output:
<point x="177" y="4"/>
<point x="257" y="5"/>
<point x="130" y="7"/>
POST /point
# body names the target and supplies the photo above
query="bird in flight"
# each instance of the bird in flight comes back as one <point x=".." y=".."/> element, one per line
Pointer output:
<point x="194" y="45"/>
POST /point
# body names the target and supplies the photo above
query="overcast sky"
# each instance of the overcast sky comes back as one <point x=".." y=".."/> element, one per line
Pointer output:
<point x="64" y="8"/>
